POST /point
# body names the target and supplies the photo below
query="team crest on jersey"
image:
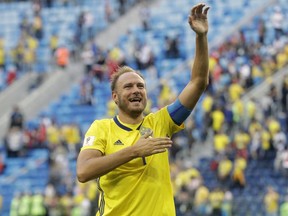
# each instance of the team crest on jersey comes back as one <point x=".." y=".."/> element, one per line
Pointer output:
<point x="144" y="130"/>
<point x="89" y="141"/>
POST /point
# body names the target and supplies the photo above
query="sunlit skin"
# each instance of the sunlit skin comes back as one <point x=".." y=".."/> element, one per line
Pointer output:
<point x="131" y="97"/>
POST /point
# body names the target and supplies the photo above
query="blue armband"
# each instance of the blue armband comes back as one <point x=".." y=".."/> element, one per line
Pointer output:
<point x="178" y="112"/>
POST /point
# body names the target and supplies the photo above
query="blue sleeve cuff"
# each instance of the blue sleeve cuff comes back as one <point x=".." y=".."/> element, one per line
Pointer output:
<point x="178" y="112"/>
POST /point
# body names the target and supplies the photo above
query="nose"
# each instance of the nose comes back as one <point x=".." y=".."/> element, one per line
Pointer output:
<point x="136" y="90"/>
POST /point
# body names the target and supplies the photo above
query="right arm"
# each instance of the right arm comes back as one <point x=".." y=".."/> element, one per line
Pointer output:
<point x="91" y="163"/>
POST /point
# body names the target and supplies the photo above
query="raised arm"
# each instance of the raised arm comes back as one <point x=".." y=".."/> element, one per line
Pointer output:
<point x="199" y="73"/>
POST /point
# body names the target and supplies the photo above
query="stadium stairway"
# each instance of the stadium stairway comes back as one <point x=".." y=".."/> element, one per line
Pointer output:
<point x="57" y="83"/>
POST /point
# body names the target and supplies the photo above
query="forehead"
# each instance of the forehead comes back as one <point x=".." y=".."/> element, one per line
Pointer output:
<point x="129" y="77"/>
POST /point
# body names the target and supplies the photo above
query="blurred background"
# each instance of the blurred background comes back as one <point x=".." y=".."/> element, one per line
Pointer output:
<point x="56" y="58"/>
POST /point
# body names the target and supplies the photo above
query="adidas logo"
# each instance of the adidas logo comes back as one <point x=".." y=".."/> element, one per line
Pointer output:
<point x="118" y="142"/>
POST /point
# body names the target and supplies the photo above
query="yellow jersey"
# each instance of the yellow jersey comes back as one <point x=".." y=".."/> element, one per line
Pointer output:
<point x="139" y="187"/>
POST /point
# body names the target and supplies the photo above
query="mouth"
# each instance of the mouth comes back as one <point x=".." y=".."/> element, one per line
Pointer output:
<point x="135" y="100"/>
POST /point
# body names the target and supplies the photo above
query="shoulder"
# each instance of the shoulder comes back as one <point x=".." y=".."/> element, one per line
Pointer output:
<point x="100" y="125"/>
<point x="102" y="122"/>
<point x="158" y="113"/>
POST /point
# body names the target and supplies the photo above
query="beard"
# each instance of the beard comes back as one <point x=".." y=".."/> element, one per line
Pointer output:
<point x="131" y="110"/>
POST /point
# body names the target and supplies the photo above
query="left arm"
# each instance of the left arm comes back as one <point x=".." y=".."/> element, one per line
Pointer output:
<point x="200" y="70"/>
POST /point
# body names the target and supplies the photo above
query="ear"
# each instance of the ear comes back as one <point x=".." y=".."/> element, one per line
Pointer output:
<point x="115" y="97"/>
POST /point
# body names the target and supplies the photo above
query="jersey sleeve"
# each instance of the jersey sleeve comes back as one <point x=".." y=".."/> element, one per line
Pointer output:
<point x="95" y="137"/>
<point x="166" y="123"/>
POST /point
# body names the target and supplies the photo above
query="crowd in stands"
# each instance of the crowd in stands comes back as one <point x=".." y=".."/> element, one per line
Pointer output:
<point x="34" y="36"/>
<point x="242" y="132"/>
<point x="239" y="132"/>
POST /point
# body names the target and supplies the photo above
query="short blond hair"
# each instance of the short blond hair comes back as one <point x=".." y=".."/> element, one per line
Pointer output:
<point x="121" y="70"/>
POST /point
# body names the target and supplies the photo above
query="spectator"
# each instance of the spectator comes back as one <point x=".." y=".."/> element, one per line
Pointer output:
<point x="201" y="201"/>
<point x="224" y="171"/>
<point x="1" y="203"/>
<point x="2" y="168"/>
<point x="78" y="38"/>
<point x="37" y="205"/>
<point x="2" y="54"/>
<point x="72" y="138"/>
<point x="2" y="79"/>
<point x="172" y="47"/>
<point x="108" y="12"/>
<point x="261" y="31"/>
<point x="11" y="75"/>
<point x="266" y="143"/>
<point x="284" y="95"/>
<point x="53" y="43"/>
<point x="145" y="17"/>
<point x="238" y="173"/>
<point x="122" y="6"/>
<point x="281" y="162"/>
<point x="87" y="57"/>
<point x="144" y="57"/>
<point x="25" y="204"/>
<point x="227" y="203"/>
<point x="277" y="19"/>
<point x="218" y="119"/>
<point x="216" y="198"/>
<point x="87" y="90"/>
<point x="25" y="26"/>
<point x="99" y="69"/>
<point x="221" y="143"/>
<point x="15" y="203"/>
<point x="279" y="140"/>
<point x="284" y="207"/>
<point x="256" y="143"/>
<point x="14" y="142"/>
<point x="16" y="118"/>
<point x="88" y="26"/>
<point x="62" y="56"/>
<point x="166" y="95"/>
<point x="238" y="113"/>
<point x="37" y="27"/>
<point x="271" y="199"/>
<point x="36" y="6"/>
<point x="241" y="142"/>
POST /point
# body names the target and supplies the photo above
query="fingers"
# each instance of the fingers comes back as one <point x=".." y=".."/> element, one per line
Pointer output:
<point x="162" y="146"/>
<point x="206" y="10"/>
<point x="160" y="143"/>
<point x="197" y="10"/>
<point x="163" y="143"/>
<point x="157" y="151"/>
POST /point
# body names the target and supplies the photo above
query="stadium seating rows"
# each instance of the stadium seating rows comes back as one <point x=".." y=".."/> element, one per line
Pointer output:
<point x="67" y="106"/>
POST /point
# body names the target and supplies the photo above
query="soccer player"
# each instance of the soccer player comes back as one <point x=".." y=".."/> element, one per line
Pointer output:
<point x="128" y="154"/>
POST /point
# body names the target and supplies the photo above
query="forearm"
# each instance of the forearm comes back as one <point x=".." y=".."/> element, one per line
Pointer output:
<point x="199" y="75"/>
<point x="200" y="69"/>
<point x="94" y="167"/>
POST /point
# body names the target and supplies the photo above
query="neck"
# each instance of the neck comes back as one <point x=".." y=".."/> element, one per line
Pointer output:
<point x="130" y="119"/>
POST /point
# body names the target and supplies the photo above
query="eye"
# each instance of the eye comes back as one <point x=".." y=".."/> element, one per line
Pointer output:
<point x="141" y="86"/>
<point x="127" y="86"/>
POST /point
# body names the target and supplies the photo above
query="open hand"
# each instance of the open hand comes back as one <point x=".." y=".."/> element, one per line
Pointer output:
<point x="198" y="19"/>
<point x="148" y="145"/>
